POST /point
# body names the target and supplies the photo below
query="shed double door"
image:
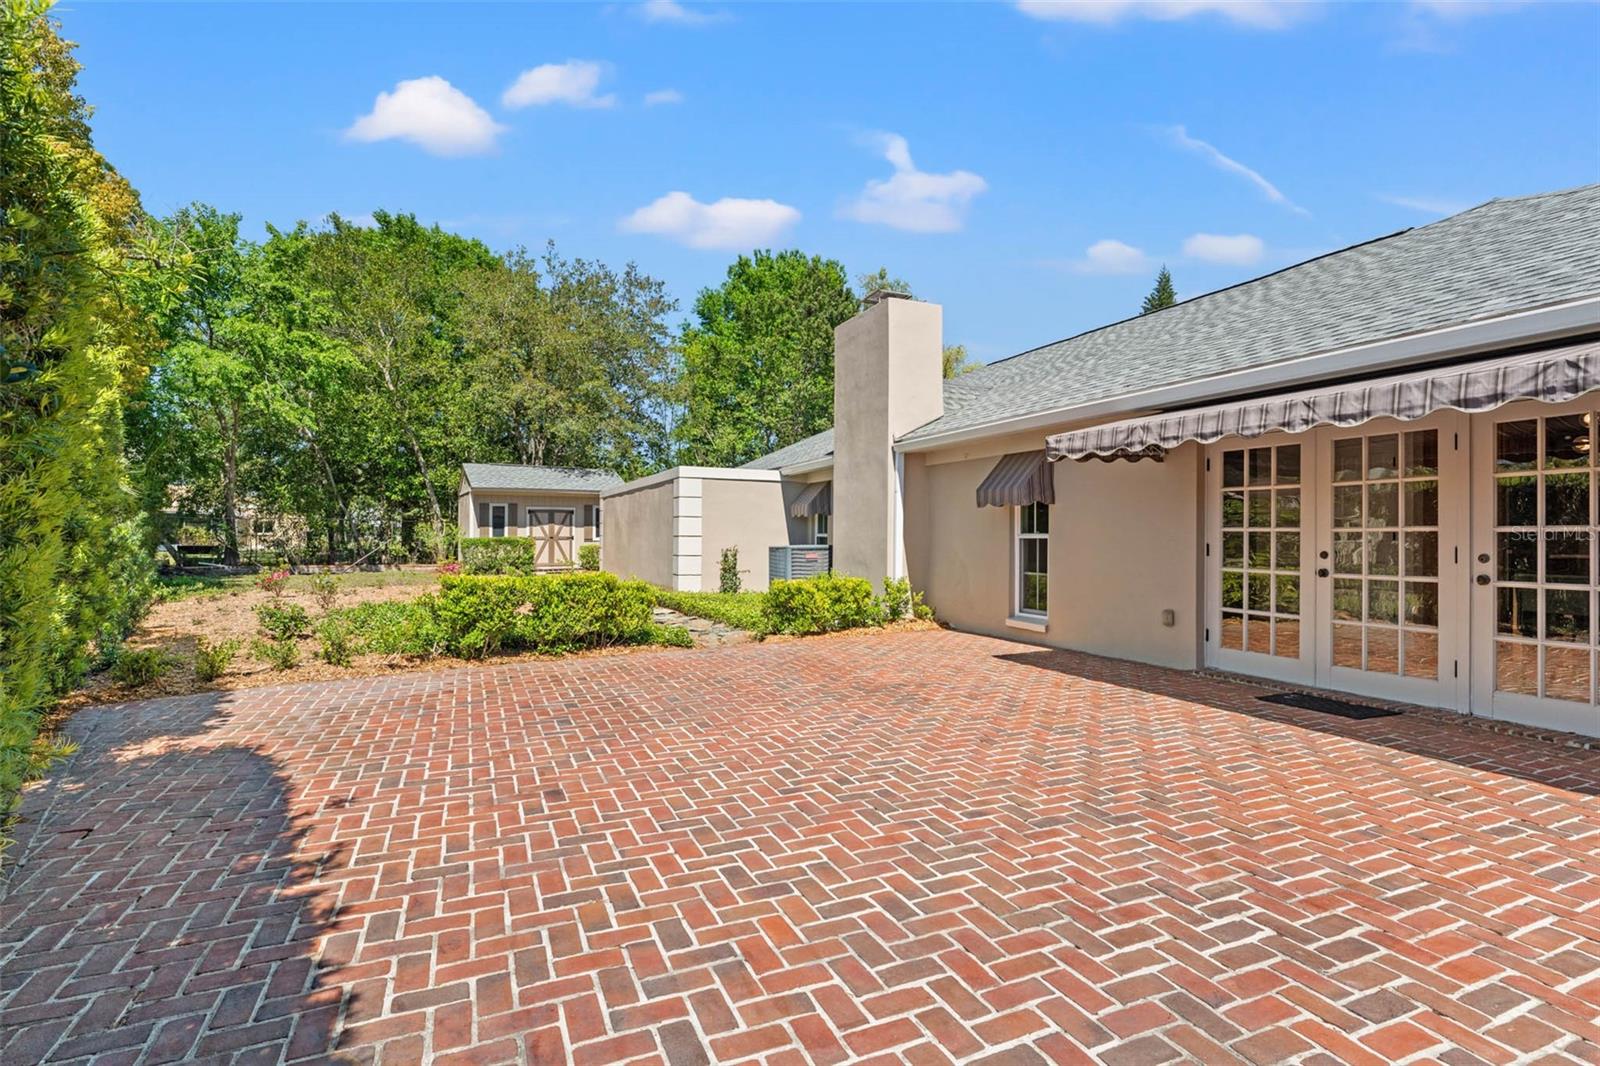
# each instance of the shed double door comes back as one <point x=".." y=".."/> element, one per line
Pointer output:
<point x="551" y="531"/>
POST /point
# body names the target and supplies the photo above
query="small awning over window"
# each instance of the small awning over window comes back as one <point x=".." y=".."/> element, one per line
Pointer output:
<point x="1552" y="375"/>
<point x="1018" y="479"/>
<point x="814" y="499"/>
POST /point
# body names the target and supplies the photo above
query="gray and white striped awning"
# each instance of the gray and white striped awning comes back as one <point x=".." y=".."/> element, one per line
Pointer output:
<point x="1018" y="479"/>
<point x="1550" y="374"/>
<point x="816" y="498"/>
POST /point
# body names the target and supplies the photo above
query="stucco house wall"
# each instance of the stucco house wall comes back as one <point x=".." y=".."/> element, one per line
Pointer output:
<point x="750" y="516"/>
<point x="1124" y="543"/>
<point x="639" y="533"/>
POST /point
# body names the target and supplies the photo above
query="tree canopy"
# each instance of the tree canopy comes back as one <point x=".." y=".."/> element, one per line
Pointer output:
<point x="758" y="359"/>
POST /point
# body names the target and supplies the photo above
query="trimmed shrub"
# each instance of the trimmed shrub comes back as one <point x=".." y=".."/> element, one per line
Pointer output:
<point x="588" y="557"/>
<point x="395" y="628"/>
<point x="741" y="610"/>
<point x="820" y="604"/>
<point x="499" y="555"/>
<point x="551" y="612"/>
<point x="280" y="654"/>
<point x="336" y="642"/>
<point x="283" y="621"/>
<point x="140" y="667"/>
<point x="671" y="636"/>
<point x="728" y="581"/>
<point x="211" y="661"/>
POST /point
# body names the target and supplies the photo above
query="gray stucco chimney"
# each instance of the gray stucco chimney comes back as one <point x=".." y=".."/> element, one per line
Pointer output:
<point x="888" y="379"/>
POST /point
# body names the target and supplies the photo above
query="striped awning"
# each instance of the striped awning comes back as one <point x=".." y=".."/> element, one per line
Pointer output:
<point x="1549" y="374"/>
<point x="816" y="498"/>
<point x="1018" y="479"/>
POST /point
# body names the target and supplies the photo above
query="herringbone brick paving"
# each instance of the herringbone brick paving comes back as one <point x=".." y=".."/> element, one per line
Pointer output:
<point x="925" y="847"/>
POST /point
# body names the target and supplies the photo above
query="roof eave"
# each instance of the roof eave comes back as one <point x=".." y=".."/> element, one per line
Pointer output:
<point x="1545" y="323"/>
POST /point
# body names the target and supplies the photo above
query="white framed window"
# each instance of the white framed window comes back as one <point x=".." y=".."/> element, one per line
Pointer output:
<point x="1031" y="590"/>
<point x="821" y="524"/>
<point x="497" y="520"/>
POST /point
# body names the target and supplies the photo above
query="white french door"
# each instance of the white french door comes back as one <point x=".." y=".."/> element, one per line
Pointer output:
<point x="1334" y="559"/>
<point x="1534" y="565"/>
<point x="1259" y="562"/>
<point x="1391" y="608"/>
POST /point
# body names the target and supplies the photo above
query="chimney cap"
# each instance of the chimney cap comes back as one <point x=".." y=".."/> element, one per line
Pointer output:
<point x="878" y="295"/>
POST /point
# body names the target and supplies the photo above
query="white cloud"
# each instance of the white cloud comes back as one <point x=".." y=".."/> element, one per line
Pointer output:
<point x="431" y="113"/>
<point x="1240" y="250"/>
<point x="912" y="199"/>
<point x="1427" y="205"/>
<point x="662" y="96"/>
<point x="1111" y="257"/>
<point x="573" y="82"/>
<point x="672" y="11"/>
<point x="1258" y="14"/>
<point x="728" y="223"/>
<point x="1233" y="166"/>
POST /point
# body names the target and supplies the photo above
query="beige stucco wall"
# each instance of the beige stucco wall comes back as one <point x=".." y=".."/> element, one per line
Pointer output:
<point x="638" y="531"/>
<point x="887" y="381"/>
<point x="748" y="515"/>
<point x="1125" y="543"/>
<point x="576" y="502"/>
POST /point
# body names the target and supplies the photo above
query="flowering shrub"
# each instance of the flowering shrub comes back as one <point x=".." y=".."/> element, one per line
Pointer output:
<point x="273" y="582"/>
<point x="452" y="567"/>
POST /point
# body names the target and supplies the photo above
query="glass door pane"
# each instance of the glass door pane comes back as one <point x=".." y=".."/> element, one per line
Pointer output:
<point x="1543" y="564"/>
<point x="1260" y="504"/>
<point x="1385" y="550"/>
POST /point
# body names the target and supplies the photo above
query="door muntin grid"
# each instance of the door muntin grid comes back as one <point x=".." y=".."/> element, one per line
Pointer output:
<point x="1543" y="565"/>
<point x="1384" y="547"/>
<point x="1260" y="560"/>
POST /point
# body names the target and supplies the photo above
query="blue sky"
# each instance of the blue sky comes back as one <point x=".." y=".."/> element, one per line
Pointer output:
<point x="1029" y="166"/>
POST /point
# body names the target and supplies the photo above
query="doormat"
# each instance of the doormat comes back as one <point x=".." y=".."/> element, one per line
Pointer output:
<point x="1307" y="702"/>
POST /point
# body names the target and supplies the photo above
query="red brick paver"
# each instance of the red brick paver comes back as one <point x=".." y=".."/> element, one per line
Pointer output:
<point x="920" y="847"/>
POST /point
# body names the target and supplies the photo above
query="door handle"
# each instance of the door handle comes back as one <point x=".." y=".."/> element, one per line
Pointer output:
<point x="1322" y="571"/>
<point x="1483" y="579"/>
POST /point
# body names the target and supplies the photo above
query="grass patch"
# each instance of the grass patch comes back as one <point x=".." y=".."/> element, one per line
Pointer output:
<point x="741" y="610"/>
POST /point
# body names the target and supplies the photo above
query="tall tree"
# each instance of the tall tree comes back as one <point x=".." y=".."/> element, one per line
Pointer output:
<point x="391" y="294"/>
<point x="957" y="362"/>
<point x="1160" y="296"/>
<point x="569" y="361"/>
<point x="758" y="359"/>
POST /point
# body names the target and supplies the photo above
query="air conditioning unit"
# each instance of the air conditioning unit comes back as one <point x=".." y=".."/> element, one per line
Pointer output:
<point x="798" y="560"/>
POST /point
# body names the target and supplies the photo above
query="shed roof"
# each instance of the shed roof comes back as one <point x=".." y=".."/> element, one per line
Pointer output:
<point x="518" y="478"/>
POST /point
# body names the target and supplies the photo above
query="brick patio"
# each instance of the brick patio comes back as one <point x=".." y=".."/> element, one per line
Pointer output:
<point x="917" y="847"/>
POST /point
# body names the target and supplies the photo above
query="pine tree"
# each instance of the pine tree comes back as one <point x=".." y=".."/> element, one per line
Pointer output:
<point x="1160" y="296"/>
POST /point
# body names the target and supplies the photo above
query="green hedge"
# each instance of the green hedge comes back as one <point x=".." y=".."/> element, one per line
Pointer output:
<point x="820" y="605"/>
<point x="75" y="574"/>
<point x="742" y="610"/>
<point x="499" y="555"/>
<point x="550" y="612"/>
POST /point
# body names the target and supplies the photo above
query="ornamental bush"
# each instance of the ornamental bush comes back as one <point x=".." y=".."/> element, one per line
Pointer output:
<point x="283" y="621"/>
<point x="479" y="615"/>
<point x="589" y="557"/>
<point x="820" y="604"/>
<point x="499" y="555"/>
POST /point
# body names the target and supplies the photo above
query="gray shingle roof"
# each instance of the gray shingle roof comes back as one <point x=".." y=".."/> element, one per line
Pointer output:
<point x="1495" y="259"/>
<point x="514" y="477"/>
<point x="816" y="446"/>
<point x="1501" y="257"/>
